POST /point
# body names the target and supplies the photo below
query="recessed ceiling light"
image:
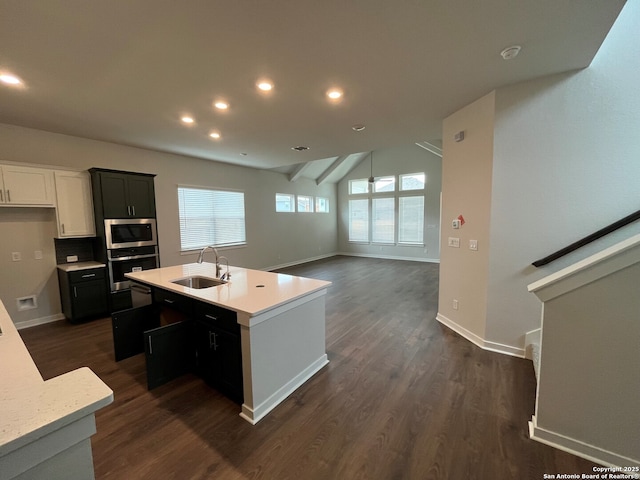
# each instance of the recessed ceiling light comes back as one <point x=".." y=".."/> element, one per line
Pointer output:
<point x="215" y="135"/>
<point x="265" y="85"/>
<point x="187" y="119"/>
<point x="299" y="148"/>
<point x="510" y="52"/>
<point x="10" y="79"/>
<point x="334" y="94"/>
<point x="221" y="105"/>
<point x="358" y="128"/>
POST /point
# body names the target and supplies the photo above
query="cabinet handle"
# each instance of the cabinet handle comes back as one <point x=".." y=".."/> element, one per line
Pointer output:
<point x="1" y="196"/>
<point x="213" y="343"/>
<point x="133" y="209"/>
<point x="129" y="210"/>
<point x="8" y="196"/>
<point x="89" y="275"/>
<point x="75" y="292"/>
<point x="166" y="300"/>
<point x="150" y="347"/>
<point x="211" y="317"/>
<point x="62" y="225"/>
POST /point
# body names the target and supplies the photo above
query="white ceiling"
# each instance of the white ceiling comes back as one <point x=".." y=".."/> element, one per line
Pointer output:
<point x="124" y="71"/>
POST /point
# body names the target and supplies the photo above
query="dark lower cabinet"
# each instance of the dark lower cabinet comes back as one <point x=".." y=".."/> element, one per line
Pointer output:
<point x="169" y="353"/>
<point x="83" y="293"/>
<point x="219" y="359"/>
<point x="129" y="327"/>
<point x="205" y="340"/>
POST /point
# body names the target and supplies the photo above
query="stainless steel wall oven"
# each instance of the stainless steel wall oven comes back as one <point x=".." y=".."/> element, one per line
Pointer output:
<point x="125" y="260"/>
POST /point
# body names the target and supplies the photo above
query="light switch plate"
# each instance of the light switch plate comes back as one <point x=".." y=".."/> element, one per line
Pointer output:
<point x="473" y="244"/>
<point x="454" y="242"/>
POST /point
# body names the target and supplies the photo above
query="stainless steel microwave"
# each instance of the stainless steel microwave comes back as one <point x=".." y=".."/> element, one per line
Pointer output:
<point x="127" y="233"/>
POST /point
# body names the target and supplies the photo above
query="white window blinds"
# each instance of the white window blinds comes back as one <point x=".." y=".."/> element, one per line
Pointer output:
<point x="210" y="217"/>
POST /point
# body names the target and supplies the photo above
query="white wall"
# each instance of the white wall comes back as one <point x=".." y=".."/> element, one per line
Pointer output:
<point x="466" y="191"/>
<point x="272" y="238"/>
<point x="394" y="161"/>
<point x="566" y="163"/>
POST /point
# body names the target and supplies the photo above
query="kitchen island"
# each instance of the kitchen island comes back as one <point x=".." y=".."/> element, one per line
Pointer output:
<point x="281" y="320"/>
<point x="45" y="426"/>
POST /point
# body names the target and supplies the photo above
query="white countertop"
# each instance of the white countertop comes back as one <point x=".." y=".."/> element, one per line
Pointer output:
<point x="31" y="407"/>
<point x="75" y="266"/>
<point x="249" y="291"/>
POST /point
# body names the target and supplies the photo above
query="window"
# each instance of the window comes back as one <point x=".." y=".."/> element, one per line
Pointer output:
<point x="411" y="220"/>
<point x="359" y="220"/>
<point x="322" y="205"/>
<point x="358" y="186"/>
<point x="210" y="217"/>
<point x="384" y="184"/>
<point x="285" y="202"/>
<point x="382" y="214"/>
<point x="305" y="203"/>
<point x="383" y="220"/>
<point x="412" y="181"/>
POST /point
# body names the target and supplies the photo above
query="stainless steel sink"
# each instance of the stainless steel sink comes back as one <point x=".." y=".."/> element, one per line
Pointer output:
<point x="199" y="282"/>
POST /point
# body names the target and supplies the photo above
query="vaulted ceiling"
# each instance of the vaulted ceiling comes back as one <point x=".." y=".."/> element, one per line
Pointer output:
<point x="126" y="71"/>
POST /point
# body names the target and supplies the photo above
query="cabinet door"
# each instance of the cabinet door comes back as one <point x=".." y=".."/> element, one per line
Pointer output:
<point x="28" y="186"/>
<point x="219" y="359"/>
<point x="169" y="351"/>
<point x="74" y="206"/>
<point x="141" y="196"/>
<point x="89" y="298"/>
<point x="129" y="327"/>
<point x="114" y="195"/>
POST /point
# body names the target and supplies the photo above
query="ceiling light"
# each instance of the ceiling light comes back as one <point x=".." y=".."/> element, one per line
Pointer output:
<point x="215" y="135"/>
<point x="358" y="128"/>
<point x="265" y="85"/>
<point x="334" y="94"/>
<point x="510" y="52"/>
<point x="299" y="148"/>
<point x="187" y="119"/>
<point x="221" y="105"/>
<point x="10" y="79"/>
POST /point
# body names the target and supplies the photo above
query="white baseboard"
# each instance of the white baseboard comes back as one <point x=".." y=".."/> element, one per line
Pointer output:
<point x="578" y="448"/>
<point x="390" y="257"/>
<point x="39" y="321"/>
<point x="298" y="262"/>
<point x="479" y="341"/>
<point x="254" y="415"/>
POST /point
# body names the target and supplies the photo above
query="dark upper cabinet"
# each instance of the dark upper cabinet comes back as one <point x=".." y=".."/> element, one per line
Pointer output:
<point x="123" y="194"/>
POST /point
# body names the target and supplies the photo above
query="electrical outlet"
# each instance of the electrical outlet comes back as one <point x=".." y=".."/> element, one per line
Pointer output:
<point x="72" y="258"/>
<point x="16" y="256"/>
<point x="37" y="254"/>
<point x="455" y="304"/>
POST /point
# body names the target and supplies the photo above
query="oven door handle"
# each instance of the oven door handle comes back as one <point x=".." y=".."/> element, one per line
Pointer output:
<point x="133" y="257"/>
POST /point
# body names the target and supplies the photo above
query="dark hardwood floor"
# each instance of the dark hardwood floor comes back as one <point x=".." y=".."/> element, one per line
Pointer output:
<point x="403" y="397"/>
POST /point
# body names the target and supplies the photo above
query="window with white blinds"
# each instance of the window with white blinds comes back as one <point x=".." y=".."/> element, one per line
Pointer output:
<point x="359" y="220"/>
<point x="210" y="217"/>
<point x="383" y="220"/>
<point x="411" y="220"/>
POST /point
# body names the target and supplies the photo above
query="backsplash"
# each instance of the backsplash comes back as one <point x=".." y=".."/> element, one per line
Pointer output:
<point x="80" y="247"/>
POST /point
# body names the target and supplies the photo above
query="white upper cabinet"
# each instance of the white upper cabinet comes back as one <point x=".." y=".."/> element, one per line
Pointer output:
<point x="74" y="204"/>
<point x="26" y="186"/>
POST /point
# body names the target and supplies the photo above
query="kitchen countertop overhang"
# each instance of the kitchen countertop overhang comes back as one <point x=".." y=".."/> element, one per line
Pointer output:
<point x="252" y="292"/>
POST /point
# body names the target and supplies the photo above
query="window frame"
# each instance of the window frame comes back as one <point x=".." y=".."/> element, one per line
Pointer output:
<point x="292" y="199"/>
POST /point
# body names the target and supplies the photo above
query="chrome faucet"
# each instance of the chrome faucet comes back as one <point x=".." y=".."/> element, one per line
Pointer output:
<point x="213" y="249"/>
<point x="227" y="275"/>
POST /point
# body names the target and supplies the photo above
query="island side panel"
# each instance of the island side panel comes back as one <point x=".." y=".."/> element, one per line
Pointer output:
<point x="281" y="353"/>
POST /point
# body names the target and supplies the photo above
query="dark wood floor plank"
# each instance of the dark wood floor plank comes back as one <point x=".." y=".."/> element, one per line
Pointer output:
<point x="403" y="397"/>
